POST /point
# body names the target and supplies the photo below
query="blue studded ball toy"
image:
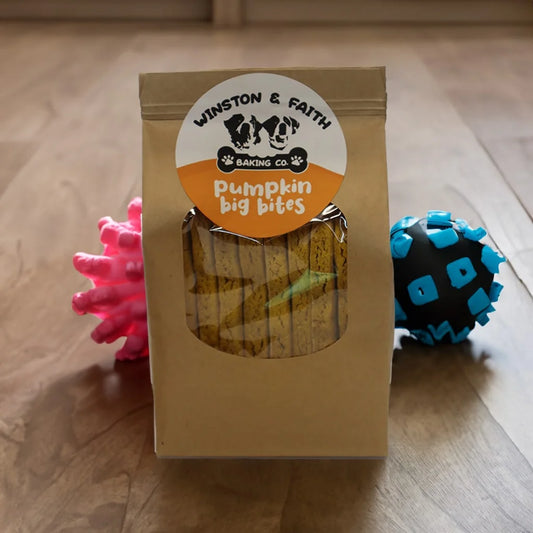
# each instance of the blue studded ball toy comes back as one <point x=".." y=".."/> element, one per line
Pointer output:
<point x="443" y="277"/>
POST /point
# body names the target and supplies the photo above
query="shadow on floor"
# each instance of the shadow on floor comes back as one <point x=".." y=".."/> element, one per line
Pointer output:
<point x="90" y="435"/>
<point x="432" y="391"/>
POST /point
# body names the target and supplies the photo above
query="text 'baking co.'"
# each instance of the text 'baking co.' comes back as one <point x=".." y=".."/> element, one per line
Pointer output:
<point x="228" y="160"/>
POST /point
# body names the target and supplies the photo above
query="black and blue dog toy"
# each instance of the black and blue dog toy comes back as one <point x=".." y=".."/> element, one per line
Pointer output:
<point x="443" y="277"/>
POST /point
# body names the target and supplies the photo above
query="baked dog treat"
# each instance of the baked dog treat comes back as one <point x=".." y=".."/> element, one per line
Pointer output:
<point x="206" y="282"/>
<point x="191" y="313"/>
<point x="230" y="292"/>
<point x="283" y="296"/>
<point x="322" y="283"/>
<point x="255" y="313"/>
<point x="299" y="278"/>
<point x="341" y="269"/>
<point x="279" y="298"/>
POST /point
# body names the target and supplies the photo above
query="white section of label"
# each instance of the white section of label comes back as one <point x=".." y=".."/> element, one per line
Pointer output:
<point x="262" y="114"/>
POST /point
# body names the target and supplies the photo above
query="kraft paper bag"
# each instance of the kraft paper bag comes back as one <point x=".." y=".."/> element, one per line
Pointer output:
<point x="267" y="263"/>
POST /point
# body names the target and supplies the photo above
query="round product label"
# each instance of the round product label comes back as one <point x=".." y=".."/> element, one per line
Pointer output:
<point x="261" y="154"/>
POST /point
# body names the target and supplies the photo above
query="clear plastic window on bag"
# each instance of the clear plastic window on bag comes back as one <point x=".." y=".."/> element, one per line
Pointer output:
<point x="276" y="297"/>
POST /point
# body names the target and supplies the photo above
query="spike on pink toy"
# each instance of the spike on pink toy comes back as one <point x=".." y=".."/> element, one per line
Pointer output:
<point x="118" y="295"/>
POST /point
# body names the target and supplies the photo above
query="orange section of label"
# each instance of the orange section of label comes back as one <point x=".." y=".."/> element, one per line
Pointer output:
<point x="259" y="203"/>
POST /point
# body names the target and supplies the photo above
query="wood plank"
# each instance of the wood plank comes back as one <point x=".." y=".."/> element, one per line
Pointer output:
<point x="385" y="11"/>
<point x="489" y="82"/>
<point x="13" y="156"/>
<point x="47" y="80"/>
<point x="181" y="10"/>
<point x="514" y="158"/>
<point x="440" y="148"/>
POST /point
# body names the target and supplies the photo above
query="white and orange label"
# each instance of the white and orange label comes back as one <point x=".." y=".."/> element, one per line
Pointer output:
<point x="261" y="154"/>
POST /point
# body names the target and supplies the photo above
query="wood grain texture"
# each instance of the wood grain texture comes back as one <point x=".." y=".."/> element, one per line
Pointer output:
<point x="494" y="98"/>
<point x="514" y="158"/>
<point x="387" y="11"/>
<point x="228" y="12"/>
<point x="76" y="445"/>
<point x="181" y="10"/>
<point x="13" y="156"/>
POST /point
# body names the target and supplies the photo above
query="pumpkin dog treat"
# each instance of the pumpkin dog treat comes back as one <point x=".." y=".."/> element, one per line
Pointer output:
<point x="298" y="246"/>
<point x="324" y="327"/>
<point x="341" y="270"/>
<point x="278" y="293"/>
<point x="206" y="286"/>
<point x="230" y="292"/>
<point x="255" y="314"/>
<point x="191" y="314"/>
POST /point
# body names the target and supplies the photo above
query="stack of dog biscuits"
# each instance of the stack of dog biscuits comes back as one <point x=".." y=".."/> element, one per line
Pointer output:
<point x="283" y="296"/>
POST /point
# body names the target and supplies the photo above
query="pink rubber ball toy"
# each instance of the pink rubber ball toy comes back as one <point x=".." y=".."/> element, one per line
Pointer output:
<point x="118" y="297"/>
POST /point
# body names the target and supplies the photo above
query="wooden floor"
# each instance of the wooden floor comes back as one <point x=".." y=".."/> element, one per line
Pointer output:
<point x="76" y="445"/>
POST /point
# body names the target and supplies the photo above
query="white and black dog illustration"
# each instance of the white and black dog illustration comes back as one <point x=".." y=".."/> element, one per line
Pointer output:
<point x="279" y="130"/>
<point x="243" y="132"/>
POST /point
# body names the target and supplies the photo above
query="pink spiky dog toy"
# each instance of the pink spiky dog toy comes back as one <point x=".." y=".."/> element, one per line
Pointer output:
<point x="118" y="296"/>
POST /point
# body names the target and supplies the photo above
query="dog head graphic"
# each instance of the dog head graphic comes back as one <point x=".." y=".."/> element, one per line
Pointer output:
<point x="243" y="132"/>
<point x="279" y="130"/>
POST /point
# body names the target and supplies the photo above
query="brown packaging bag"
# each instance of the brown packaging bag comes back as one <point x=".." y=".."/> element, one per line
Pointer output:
<point x="246" y="362"/>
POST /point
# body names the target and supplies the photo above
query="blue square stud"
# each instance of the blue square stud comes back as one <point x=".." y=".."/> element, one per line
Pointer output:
<point x="422" y="290"/>
<point x="461" y="272"/>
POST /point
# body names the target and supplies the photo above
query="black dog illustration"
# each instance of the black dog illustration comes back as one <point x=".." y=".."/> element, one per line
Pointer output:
<point x="279" y="130"/>
<point x="243" y="132"/>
